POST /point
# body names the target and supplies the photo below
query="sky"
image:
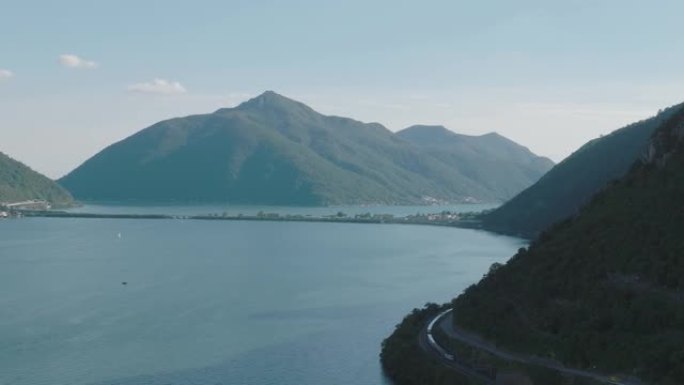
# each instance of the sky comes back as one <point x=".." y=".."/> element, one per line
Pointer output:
<point x="76" y="76"/>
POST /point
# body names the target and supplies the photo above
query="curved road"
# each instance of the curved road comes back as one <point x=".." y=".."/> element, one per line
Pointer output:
<point x="446" y="324"/>
<point x="453" y="364"/>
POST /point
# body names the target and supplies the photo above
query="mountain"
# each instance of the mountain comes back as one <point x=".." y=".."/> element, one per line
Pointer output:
<point x="569" y="185"/>
<point x="605" y="288"/>
<point x="502" y="166"/>
<point x="271" y="150"/>
<point x="19" y="183"/>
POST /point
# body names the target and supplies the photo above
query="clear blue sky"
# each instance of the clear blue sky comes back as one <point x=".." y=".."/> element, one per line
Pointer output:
<point x="548" y="74"/>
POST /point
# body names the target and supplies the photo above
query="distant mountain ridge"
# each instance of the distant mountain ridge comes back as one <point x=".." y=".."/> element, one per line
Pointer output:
<point x="493" y="161"/>
<point x="604" y="289"/>
<point x="274" y="150"/>
<point x="19" y="183"/>
<point x="569" y="185"/>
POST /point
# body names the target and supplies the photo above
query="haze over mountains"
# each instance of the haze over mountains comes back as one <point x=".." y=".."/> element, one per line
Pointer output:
<point x="495" y="162"/>
<point x="274" y="150"/>
<point x="569" y="185"/>
<point x="605" y="288"/>
<point x="19" y="183"/>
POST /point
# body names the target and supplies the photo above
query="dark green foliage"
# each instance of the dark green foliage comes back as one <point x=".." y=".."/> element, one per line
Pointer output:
<point x="605" y="288"/>
<point x="273" y="150"/>
<point x="567" y="187"/>
<point x="19" y="183"/>
<point x="536" y="374"/>
<point x="405" y="363"/>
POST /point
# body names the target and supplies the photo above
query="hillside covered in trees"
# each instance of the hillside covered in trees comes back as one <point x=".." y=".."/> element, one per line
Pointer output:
<point x="274" y="150"/>
<point x="19" y="183"/>
<point x="605" y="288"/>
<point x="569" y="185"/>
<point x="499" y="164"/>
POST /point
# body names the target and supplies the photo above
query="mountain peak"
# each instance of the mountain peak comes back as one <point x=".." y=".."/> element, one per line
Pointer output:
<point x="440" y="135"/>
<point x="494" y="134"/>
<point x="432" y="129"/>
<point x="271" y="100"/>
<point x="270" y="97"/>
<point x="427" y="133"/>
<point x="437" y="132"/>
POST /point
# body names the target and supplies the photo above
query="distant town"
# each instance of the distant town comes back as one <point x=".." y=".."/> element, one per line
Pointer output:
<point x="36" y="208"/>
<point x="16" y="209"/>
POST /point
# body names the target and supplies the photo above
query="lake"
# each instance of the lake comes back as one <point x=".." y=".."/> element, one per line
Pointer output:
<point x="208" y="302"/>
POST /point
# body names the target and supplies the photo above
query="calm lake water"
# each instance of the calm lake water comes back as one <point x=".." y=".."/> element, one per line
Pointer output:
<point x="219" y="302"/>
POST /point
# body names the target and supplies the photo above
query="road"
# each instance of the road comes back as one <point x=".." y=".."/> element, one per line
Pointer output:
<point x="446" y="324"/>
<point x="454" y="364"/>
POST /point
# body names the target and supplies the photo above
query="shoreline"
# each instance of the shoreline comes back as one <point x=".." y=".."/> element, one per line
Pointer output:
<point x="425" y="220"/>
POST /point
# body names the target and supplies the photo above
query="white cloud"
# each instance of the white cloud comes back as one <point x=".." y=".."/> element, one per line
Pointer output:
<point x="158" y="86"/>
<point x="5" y="74"/>
<point x="73" y="61"/>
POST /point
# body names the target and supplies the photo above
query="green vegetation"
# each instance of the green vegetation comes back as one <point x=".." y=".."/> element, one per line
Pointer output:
<point x="19" y="183"/>
<point x="572" y="183"/>
<point x="605" y="288"/>
<point x="404" y="361"/>
<point x="273" y="150"/>
<point x="481" y="359"/>
<point x="502" y="166"/>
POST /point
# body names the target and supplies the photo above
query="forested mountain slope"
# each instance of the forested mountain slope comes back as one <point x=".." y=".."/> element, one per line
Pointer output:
<point x="501" y="165"/>
<point x="606" y="287"/>
<point x="571" y="184"/>
<point x="274" y="150"/>
<point x="19" y="183"/>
